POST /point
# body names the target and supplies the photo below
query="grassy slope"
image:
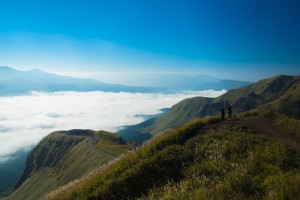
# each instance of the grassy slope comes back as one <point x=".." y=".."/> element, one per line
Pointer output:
<point x="280" y="93"/>
<point x="179" y="114"/>
<point x="64" y="156"/>
<point x="204" y="159"/>
<point x="268" y="93"/>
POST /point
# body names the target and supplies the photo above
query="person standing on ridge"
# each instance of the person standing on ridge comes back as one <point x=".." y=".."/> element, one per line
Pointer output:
<point x="229" y="111"/>
<point x="223" y="113"/>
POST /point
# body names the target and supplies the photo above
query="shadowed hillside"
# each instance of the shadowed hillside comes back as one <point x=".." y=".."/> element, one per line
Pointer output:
<point x="64" y="156"/>
<point x="10" y="172"/>
<point x="280" y="94"/>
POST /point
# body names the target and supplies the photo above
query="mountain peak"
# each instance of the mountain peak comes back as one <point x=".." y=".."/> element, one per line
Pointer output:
<point x="6" y="69"/>
<point x="36" y="70"/>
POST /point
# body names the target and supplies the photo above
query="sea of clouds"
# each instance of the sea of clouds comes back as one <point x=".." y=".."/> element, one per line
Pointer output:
<point x="25" y="120"/>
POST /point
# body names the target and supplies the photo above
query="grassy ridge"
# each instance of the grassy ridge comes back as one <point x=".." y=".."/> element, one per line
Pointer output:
<point x="202" y="159"/>
<point x="178" y="115"/>
<point x="64" y="156"/>
<point x="279" y="93"/>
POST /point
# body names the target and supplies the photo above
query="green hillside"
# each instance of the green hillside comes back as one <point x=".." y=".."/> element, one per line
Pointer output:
<point x="280" y="94"/>
<point x="205" y="159"/>
<point x="179" y="114"/>
<point x="268" y="94"/>
<point x="64" y="156"/>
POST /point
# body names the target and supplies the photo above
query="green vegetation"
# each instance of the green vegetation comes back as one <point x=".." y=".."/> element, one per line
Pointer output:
<point x="205" y="159"/>
<point x="280" y="94"/>
<point x="224" y="169"/>
<point x="179" y="114"/>
<point x="288" y="126"/>
<point x="64" y="156"/>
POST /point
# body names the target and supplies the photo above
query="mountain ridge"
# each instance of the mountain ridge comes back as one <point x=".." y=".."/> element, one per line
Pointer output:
<point x="63" y="156"/>
<point x="280" y="93"/>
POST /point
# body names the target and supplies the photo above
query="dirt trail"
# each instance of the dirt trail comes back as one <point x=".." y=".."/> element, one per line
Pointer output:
<point x="91" y="145"/>
<point x="265" y="127"/>
<point x="91" y="142"/>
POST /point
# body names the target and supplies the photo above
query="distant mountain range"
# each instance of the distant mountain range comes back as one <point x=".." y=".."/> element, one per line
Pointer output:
<point x="175" y="81"/>
<point x="279" y="93"/>
<point x="15" y="82"/>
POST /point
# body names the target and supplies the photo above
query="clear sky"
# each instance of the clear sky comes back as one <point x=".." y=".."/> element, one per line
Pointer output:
<point x="247" y="39"/>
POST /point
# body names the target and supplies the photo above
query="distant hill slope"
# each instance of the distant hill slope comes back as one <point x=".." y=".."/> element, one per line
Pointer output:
<point x="202" y="160"/>
<point x="172" y="81"/>
<point x="178" y="115"/>
<point x="175" y="81"/>
<point x="280" y="93"/>
<point x="15" y="82"/>
<point x="64" y="156"/>
<point x="222" y="85"/>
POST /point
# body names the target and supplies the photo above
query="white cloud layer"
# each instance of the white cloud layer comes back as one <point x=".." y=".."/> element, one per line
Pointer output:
<point x="25" y="120"/>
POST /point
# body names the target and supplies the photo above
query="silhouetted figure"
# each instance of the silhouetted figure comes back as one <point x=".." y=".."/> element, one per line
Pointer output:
<point x="223" y="113"/>
<point x="229" y="111"/>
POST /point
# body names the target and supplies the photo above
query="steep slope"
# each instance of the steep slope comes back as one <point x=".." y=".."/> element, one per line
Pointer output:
<point x="205" y="159"/>
<point x="64" y="156"/>
<point x="264" y="92"/>
<point x="179" y="114"/>
<point x="267" y="94"/>
<point x="280" y="93"/>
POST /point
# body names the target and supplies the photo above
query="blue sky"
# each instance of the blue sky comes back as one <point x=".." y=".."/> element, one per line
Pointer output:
<point x="247" y="39"/>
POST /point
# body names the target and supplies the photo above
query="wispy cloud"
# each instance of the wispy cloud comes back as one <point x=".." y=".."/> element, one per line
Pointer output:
<point x="24" y="120"/>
